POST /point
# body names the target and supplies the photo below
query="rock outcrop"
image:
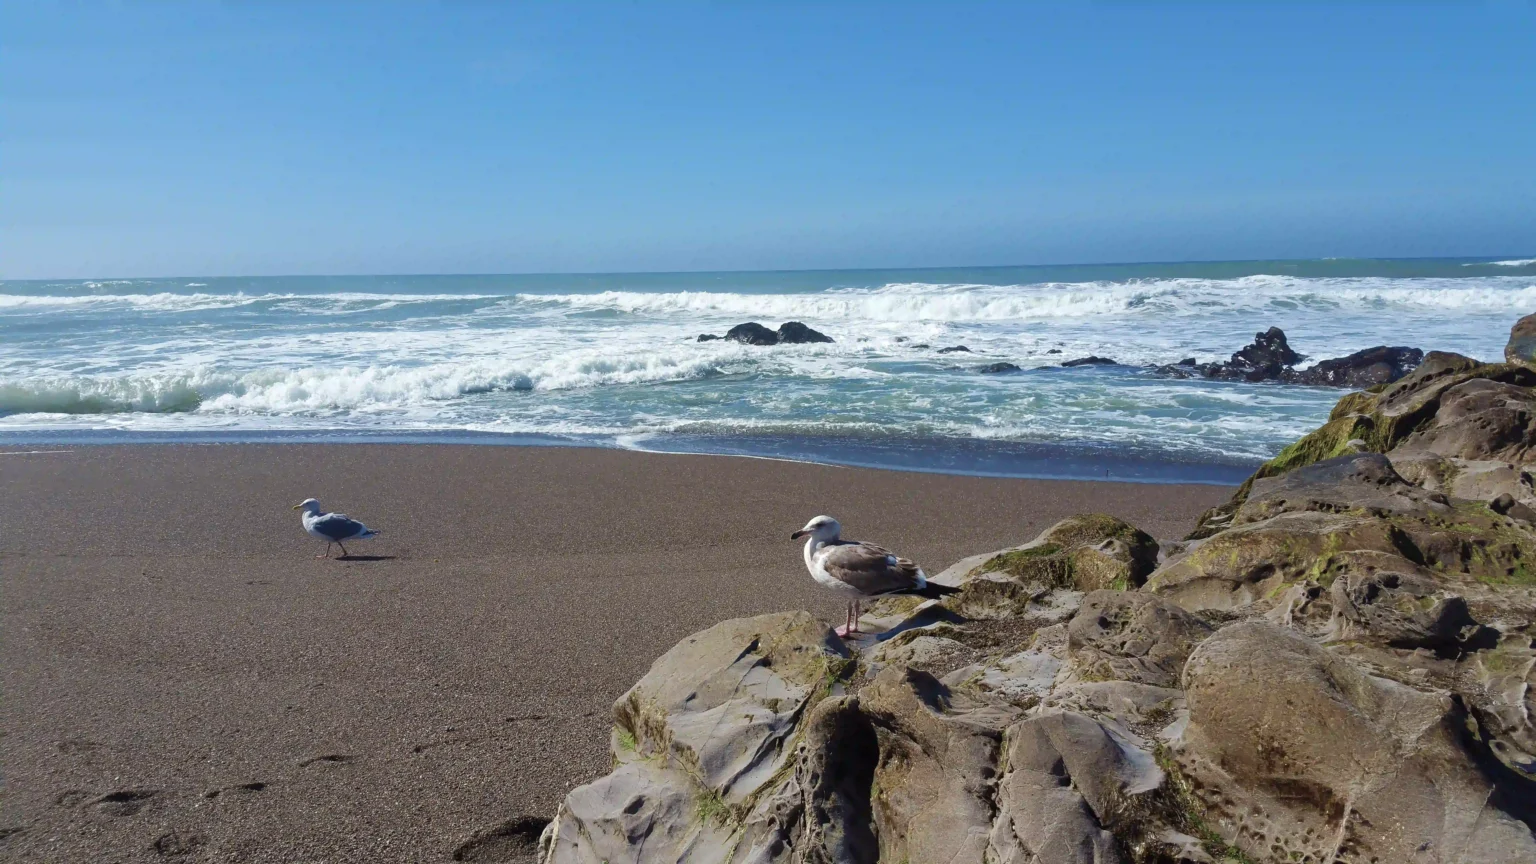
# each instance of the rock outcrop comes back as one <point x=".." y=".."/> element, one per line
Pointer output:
<point x="753" y="333"/>
<point x="1521" y="348"/>
<point x="1091" y="360"/>
<point x="995" y="368"/>
<point x="1338" y="666"/>
<point x="1379" y="365"/>
<point x="1270" y="358"/>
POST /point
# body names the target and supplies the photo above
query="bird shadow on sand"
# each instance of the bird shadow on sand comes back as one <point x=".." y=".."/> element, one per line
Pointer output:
<point x="364" y="558"/>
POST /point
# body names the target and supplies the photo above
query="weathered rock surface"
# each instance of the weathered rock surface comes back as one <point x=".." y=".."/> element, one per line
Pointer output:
<point x="994" y="368"/>
<point x="1339" y="666"/>
<point x="1091" y="360"/>
<point x="953" y="349"/>
<point x="1081" y="553"/>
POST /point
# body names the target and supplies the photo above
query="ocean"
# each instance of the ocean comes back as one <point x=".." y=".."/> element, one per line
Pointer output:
<point x="613" y="360"/>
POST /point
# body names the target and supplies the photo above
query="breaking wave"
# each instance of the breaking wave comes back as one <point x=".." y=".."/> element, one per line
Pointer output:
<point x="319" y="389"/>
<point x="958" y="303"/>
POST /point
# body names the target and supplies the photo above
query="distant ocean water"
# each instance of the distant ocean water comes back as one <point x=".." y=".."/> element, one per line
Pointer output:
<point x="612" y="360"/>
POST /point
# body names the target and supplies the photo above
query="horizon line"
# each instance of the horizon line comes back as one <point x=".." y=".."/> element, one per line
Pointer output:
<point x="1489" y="258"/>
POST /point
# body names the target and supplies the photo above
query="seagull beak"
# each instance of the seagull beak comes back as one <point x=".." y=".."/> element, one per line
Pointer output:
<point x="797" y="535"/>
<point x="297" y="506"/>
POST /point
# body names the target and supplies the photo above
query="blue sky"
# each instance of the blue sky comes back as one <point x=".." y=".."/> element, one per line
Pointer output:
<point x="143" y="139"/>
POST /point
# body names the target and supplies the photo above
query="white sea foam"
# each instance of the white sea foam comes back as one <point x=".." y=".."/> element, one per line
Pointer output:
<point x="320" y="389"/>
<point x="167" y="301"/>
<point x="1518" y="262"/>
<point x="915" y="302"/>
<point x="402" y="354"/>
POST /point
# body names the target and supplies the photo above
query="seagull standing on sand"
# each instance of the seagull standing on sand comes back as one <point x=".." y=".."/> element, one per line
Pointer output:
<point x="331" y="527"/>
<point x="858" y="570"/>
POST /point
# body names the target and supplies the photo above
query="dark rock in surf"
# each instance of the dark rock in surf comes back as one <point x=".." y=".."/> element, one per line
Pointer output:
<point x="1379" y="365"/>
<point x="1269" y="349"/>
<point x="1270" y="358"/>
<point x="708" y="337"/>
<point x="995" y="368"/>
<point x="796" y="333"/>
<point x="752" y="333"/>
<point x="954" y="348"/>
<point x="1090" y="361"/>
<point x="1054" y="351"/>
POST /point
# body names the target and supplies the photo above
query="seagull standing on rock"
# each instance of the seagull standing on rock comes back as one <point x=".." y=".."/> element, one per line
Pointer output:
<point x="859" y="570"/>
<point x="331" y="527"/>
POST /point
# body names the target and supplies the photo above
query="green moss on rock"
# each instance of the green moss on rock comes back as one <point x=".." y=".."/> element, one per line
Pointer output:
<point x="1379" y="420"/>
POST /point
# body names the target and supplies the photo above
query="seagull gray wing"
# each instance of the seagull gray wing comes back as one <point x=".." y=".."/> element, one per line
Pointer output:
<point x="869" y="569"/>
<point x="336" y="526"/>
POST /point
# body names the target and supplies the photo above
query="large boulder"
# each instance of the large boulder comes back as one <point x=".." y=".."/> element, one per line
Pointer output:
<point x="796" y="333"/>
<point x="752" y="333"/>
<point x="1270" y="358"/>
<point x="1521" y="347"/>
<point x="1269" y="350"/>
<point x="1368" y="368"/>
<point x="995" y="368"/>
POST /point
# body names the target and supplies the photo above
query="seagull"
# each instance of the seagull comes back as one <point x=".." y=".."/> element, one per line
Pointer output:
<point x="858" y="570"/>
<point x="331" y="527"/>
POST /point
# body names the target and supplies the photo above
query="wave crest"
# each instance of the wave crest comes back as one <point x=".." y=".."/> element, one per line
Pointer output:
<point x="325" y="389"/>
<point x="912" y="302"/>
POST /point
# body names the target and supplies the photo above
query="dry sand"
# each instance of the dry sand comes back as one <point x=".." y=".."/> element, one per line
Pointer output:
<point x="184" y="681"/>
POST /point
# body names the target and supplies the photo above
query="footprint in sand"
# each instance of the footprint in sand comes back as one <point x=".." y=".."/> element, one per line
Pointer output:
<point x="174" y="844"/>
<point x="76" y="745"/>
<point x="327" y="759"/>
<point x="255" y="786"/>
<point x="71" y="797"/>
<point x="124" y="802"/>
<point x="516" y="840"/>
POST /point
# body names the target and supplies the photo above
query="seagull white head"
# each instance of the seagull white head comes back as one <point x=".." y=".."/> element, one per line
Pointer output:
<point x="824" y="529"/>
<point x="308" y="505"/>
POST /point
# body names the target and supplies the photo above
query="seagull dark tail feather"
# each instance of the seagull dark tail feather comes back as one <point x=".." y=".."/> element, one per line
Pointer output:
<point x="934" y="591"/>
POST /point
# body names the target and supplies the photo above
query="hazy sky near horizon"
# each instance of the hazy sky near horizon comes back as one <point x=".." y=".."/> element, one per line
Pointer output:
<point x="146" y="139"/>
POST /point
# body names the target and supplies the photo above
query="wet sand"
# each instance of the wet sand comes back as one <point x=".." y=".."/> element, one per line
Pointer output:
<point x="183" y="680"/>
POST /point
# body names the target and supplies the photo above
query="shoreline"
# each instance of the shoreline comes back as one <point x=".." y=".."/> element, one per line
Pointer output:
<point x="944" y="457"/>
<point x="169" y="632"/>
